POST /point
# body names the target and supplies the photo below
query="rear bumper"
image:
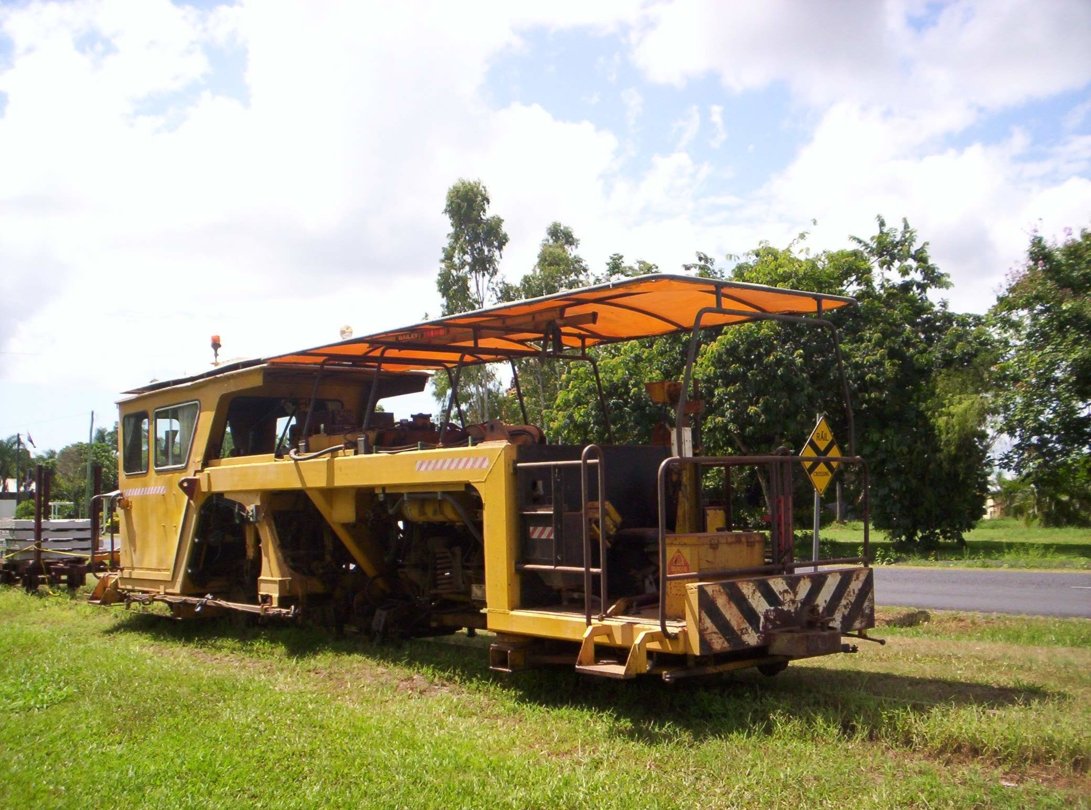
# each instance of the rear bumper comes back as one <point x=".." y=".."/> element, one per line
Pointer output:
<point x="734" y="615"/>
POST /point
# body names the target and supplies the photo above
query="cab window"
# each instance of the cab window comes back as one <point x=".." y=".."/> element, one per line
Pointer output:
<point x="257" y="425"/>
<point x="174" y="434"/>
<point x="134" y="438"/>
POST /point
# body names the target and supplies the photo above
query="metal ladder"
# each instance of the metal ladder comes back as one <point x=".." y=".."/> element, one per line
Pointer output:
<point x="590" y="457"/>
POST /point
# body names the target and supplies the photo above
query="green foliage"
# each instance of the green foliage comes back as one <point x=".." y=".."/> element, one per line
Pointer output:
<point x="766" y="381"/>
<point x="558" y="268"/>
<point x="916" y="371"/>
<point x="616" y="268"/>
<point x="70" y="481"/>
<point x="1043" y="394"/>
<point x="954" y="712"/>
<point x="1051" y="497"/>
<point x="623" y="369"/>
<point x="480" y="395"/>
<point x="25" y="509"/>
<point x="466" y="280"/>
<point x="14" y="459"/>
<point x="916" y="368"/>
<point x="69" y="468"/>
<point x="475" y="243"/>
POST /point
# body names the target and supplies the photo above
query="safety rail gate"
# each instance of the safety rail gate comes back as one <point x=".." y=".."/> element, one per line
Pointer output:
<point x="781" y="484"/>
<point x="590" y="457"/>
<point x="592" y="511"/>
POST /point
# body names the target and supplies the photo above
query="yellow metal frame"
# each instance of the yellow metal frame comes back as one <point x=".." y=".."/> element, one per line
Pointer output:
<point x="159" y="508"/>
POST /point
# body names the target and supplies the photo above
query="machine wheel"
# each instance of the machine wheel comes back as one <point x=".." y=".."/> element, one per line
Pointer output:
<point x="75" y="576"/>
<point x="32" y="577"/>
<point x="771" y="669"/>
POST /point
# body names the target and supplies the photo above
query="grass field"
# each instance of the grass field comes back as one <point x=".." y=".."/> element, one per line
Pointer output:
<point x="999" y="543"/>
<point x="102" y="707"/>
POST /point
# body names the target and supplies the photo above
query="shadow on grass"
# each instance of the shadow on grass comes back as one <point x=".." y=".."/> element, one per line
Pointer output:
<point x="849" y="703"/>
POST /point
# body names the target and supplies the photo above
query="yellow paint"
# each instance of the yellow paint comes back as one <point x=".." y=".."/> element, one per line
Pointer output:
<point x="349" y="492"/>
<point x="820" y="443"/>
<point x="707" y="551"/>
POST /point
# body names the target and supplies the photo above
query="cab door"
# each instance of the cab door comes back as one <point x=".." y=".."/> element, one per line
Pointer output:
<point x="156" y="445"/>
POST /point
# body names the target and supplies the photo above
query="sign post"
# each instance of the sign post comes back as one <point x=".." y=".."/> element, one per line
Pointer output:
<point x="817" y="523"/>
<point x="817" y="458"/>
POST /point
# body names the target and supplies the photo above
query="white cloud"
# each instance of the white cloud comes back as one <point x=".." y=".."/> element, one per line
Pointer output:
<point x="633" y="102"/>
<point x="271" y="221"/>
<point x="975" y="205"/>
<point x="886" y="85"/>
<point x="716" y="119"/>
<point x="750" y="45"/>
<point x="686" y="128"/>
<point x="149" y="199"/>
<point x="996" y="53"/>
<point x="538" y="170"/>
<point x="975" y="53"/>
<point x="609" y="66"/>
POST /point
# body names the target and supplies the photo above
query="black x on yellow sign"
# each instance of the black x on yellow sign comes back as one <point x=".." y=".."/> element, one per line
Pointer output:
<point x="821" y="443"/>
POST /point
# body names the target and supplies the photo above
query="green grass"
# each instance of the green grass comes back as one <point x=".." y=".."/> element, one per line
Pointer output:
<point x="999" y="543"/>
<point x="121" y="708"/>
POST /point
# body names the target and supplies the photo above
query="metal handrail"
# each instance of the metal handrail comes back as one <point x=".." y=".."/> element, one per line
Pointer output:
<point x="765" y="569"/>
<point x="106" y="500"/>
<point x="591" y="456"/>
<point x="600" y="464"/>
<point x="788" y="463"/>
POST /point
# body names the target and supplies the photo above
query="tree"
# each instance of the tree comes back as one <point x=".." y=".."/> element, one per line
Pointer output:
<point x="15" y="460"/>
<point x="1043" y="391"/>
<point x="766" y="381"/>
<point x="912" y="362"/>
<point x="558" y="268"/>
<point x="616" y="268"/>
<point x="70" y="481"/>
<point x="623" y="369"/>
<point x="466" y="278"/>
<point x="915" y="368"/>
<point x="475" y="244"/>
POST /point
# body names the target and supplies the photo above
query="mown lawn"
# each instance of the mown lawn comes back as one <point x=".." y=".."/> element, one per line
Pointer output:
<point x="999" y="543"/>
<point x="102" y="707"/>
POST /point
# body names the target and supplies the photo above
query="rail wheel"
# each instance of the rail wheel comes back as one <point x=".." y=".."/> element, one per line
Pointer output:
<point x="772" y="668"/>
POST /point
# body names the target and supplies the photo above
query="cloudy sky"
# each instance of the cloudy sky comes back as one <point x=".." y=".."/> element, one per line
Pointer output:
<point x="270" y="171"/>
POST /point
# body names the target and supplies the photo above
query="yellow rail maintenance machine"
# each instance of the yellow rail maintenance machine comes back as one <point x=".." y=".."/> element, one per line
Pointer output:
<point x="279" y="487"/>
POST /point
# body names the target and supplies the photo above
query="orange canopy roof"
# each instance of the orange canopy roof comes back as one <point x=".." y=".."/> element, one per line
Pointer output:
<point x="570" y="321"/>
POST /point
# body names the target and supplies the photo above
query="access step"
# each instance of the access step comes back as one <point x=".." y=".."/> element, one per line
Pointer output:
<point x="636" y="661"/>
<point x="606" y="669"/>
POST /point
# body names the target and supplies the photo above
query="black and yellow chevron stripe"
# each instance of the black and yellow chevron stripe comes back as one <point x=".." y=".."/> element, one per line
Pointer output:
<point x="736" y="615"/>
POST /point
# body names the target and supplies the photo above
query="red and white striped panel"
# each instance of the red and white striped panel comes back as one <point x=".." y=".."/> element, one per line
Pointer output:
<point x="139" y="491"/>
<point x="445" y="464"/>
<point x="541" y="532"/>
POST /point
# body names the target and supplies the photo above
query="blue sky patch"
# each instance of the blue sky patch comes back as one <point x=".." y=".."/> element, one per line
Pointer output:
<point x="93" y="45"/>
<point x="586" y="76"/>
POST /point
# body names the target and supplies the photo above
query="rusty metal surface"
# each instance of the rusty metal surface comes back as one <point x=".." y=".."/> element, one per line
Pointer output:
<point x="804" y="643"/>
<point x="741" y="614"/>
<point x="780" y="468"/>
<point x="41" y="551"/>
<point x="201" y="604"/>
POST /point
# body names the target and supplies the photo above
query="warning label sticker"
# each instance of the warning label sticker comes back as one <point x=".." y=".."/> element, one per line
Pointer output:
<point x="678" y="564"/>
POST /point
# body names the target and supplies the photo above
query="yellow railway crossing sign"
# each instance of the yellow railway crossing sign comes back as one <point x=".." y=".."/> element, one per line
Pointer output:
<point x="820" y="443"/>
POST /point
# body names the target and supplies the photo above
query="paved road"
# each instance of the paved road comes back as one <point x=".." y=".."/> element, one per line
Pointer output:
<point x="1034" y="593"/>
